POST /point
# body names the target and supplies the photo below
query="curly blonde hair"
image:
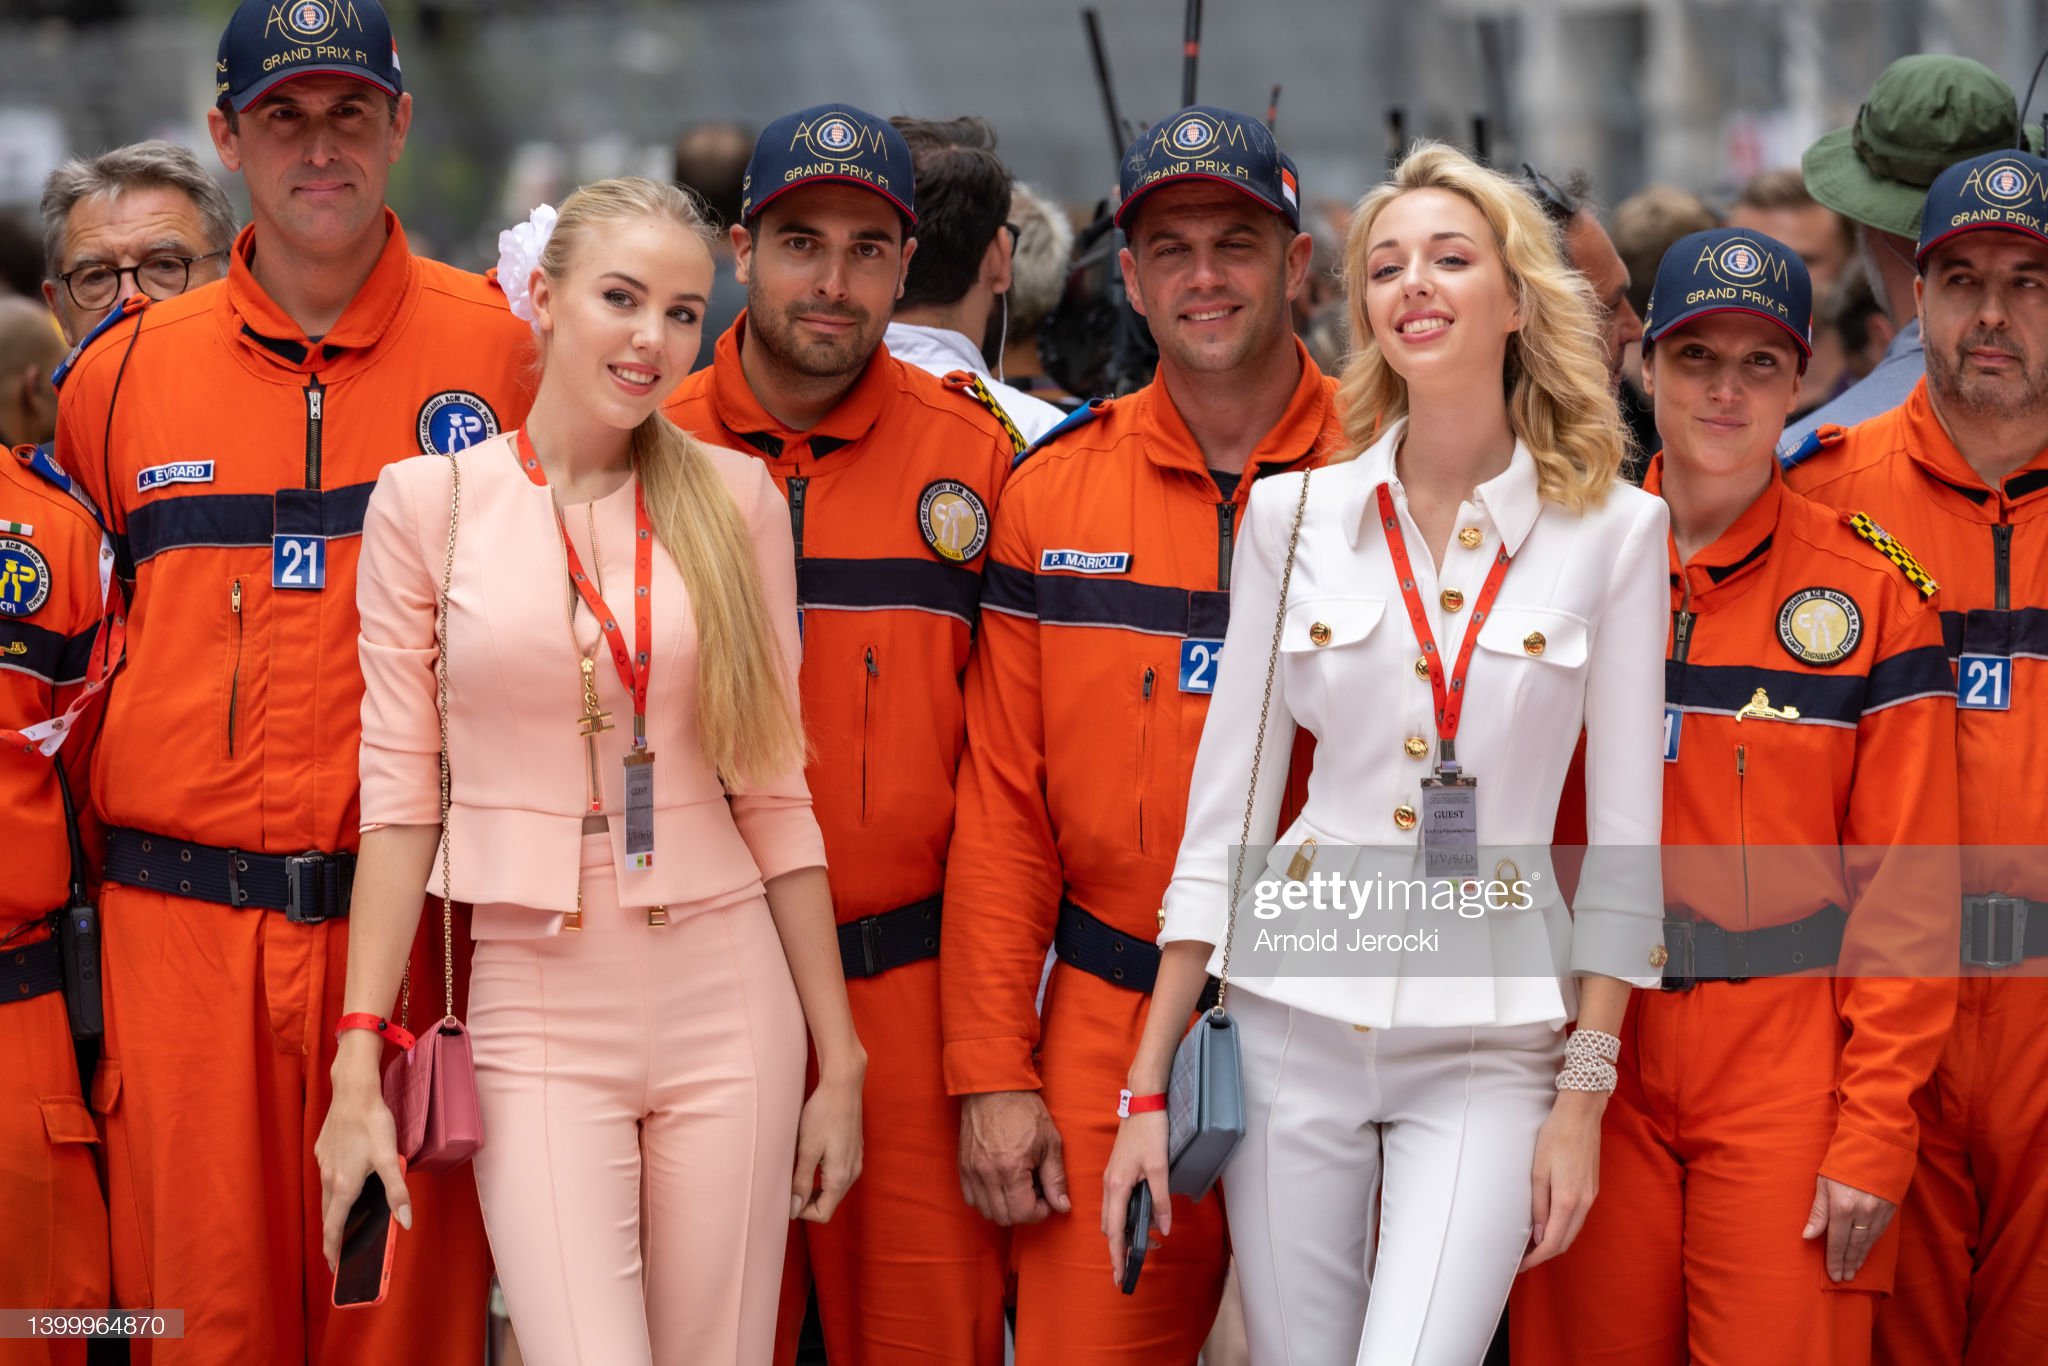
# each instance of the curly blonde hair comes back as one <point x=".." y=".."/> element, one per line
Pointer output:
<point x="1559" y="400"/>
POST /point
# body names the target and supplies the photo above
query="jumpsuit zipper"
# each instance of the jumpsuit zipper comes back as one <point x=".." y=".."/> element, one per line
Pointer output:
<point x="797" y="484"/>
<point x="1742" y="818"/>
<point x="1144" y="739"/>
<point x="235" y="674"/>
<point x="1226" y="515"/>
<point x="867" y="721"/>
<point x="2001" y="564"/>
<point x="315" y="395"/>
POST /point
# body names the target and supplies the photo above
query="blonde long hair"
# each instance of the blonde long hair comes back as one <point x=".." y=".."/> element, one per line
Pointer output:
<point x="1559" y="400"/>
<point x="747" y="716"/>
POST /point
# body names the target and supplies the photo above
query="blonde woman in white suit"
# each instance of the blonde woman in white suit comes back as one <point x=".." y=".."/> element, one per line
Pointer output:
<point x="1475" y="571"/>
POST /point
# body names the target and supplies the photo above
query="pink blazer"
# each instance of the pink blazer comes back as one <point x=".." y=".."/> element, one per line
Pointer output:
<point x="517" y="760"/>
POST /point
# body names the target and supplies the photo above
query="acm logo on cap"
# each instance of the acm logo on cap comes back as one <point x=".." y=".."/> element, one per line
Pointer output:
<point x="311" y="21"/>
<point x="1742" y="263"/>
<point x="837" y="137"/>
<point x="2004" y="184"/>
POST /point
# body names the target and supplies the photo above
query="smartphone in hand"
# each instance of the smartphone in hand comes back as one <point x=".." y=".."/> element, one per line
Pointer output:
<point x="1137" y="1234"/>
<point x="364" y="1273"/>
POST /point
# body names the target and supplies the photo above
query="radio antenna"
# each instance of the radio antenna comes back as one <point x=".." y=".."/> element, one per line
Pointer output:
<point x="1119" y="135"/>
<point x="1191" y="52"/>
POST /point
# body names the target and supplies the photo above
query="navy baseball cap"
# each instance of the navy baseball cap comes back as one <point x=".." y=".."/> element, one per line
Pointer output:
<point x="2002" y="191"/>
<point x="1732" y="270"/>
<point x="830" y="142"/>
<point x="1205" y="143"/>
<point x="269" y="42"/>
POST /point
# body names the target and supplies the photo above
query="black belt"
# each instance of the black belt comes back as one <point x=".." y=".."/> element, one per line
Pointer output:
<point x="877" y="943"/>
<point x="1701" y="951"/>
<point x="1999" y="931"/>
<point x="30" y="971"/>
<point x="1086" y="941"/>
<point x="308" y="888"/>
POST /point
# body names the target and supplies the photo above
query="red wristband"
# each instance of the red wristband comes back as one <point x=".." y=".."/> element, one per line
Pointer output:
<point x="362" y="1019"/>
<point x="1128" y="1104"/>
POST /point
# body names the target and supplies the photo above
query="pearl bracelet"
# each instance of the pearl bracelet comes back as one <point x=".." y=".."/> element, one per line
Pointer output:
<point x="1589" y="1058"/>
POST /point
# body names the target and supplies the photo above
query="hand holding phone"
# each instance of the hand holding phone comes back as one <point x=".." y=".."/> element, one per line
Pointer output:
<point x="1137" y="1234"/>
<point x="364" y="1273"/>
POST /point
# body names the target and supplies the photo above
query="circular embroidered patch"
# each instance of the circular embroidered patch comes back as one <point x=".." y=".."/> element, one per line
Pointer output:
<point x="953" y="519"/>
<point x="24" y="578"/>
<point x="1819" y="625"/>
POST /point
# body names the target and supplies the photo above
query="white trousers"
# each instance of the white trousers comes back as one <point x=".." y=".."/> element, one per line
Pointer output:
<point x="1379" y="1202"/>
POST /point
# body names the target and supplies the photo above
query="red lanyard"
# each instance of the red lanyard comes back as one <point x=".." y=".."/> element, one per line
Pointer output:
<point x="632" y="673"/>
<point x="1450" y="696"/>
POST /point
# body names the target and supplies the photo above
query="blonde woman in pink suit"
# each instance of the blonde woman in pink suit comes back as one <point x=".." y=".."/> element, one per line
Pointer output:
<point x="638" y="1018"/>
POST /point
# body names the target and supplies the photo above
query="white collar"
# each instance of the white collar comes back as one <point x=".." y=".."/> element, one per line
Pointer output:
<point x="919" y="345"/>
<point x="1509" y="499"/>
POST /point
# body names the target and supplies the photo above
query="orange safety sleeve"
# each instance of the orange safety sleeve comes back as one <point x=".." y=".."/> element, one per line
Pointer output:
<point x="1003" y="876"/>
<point x="1901" y="818"/>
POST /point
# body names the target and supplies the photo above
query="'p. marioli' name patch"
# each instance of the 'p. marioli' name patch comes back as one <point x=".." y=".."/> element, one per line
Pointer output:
<point x="1085" y="561"/>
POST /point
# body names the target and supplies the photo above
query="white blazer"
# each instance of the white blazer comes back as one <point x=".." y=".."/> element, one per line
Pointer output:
<point x="1594" y="585"/>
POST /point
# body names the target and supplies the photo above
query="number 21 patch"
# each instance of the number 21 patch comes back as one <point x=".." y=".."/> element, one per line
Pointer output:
<point x="1198" y="663"/>
<point x="1984" y="683"/>
<point x="298" y="562"/>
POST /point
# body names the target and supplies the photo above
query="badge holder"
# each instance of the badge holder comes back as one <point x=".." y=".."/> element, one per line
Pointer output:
<point x="1450" y="819"/>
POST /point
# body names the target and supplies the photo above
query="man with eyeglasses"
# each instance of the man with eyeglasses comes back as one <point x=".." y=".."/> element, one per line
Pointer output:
<point x="231" y="437"/>
<point x="958" y="290"/>
<point x="139" y="217"/>
<point x="145" y="218"/>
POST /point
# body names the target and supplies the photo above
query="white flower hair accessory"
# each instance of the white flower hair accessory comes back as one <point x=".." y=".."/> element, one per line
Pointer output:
<point x="519" y="251"/>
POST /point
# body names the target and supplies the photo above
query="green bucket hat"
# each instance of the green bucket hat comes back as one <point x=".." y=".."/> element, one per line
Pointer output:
<point x="1924" y="114"/>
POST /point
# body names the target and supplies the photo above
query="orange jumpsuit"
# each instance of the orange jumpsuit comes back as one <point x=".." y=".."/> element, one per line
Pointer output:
<point x="890" y="497"/>
<point x="1972" y="1282"/>
<point x="54" y="1254"/>
<point x="212" y="432"/>
<point x="1734" y="1094"/>
<point x="1107" y="594"/>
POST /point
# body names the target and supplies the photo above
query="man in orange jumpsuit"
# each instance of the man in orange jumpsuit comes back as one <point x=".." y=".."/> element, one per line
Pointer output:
<point x="56" y="590"/>
<point x="1959" y="472"/>
<point x="1104" y="608"/>
<point x="891" y="477"/>
<point x="1762" y="1132"/>
<point x="231" y="436"/>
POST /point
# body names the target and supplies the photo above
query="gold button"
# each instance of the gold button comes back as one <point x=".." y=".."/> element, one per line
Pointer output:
<point x="1659" y="956"/>
<point x="1415" y="746"/>
<point x="1470" y="537"/>
<point x="1319" y="633"/>
<point x="1363" y="1029"/>
<point x="1533" y="642"/>
<point x="1452" y="599"/>
<point x="1422" y="667"/>
<point x="1404" y="816"/>
<point x="1162" y="917"/>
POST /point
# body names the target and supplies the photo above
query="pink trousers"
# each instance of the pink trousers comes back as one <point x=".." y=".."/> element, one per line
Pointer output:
<point x="640" y="1088"/>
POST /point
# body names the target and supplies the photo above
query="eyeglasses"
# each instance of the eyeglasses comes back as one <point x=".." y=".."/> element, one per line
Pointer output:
<point x="1558" y="206"/>
<point x="161" y="277"/>
<point x="1016" y="234"/>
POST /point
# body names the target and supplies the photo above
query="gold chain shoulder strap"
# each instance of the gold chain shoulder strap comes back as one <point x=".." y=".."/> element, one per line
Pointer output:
<point x="1259" y="747"/>
<point x="441" y="706"/>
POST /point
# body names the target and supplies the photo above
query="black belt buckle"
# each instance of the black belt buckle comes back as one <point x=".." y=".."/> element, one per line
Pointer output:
<point x="307" y="898"/>
<point x="1988" y="912"/>
<point x="870" y="945"/>
<point x="1678" y="961"/>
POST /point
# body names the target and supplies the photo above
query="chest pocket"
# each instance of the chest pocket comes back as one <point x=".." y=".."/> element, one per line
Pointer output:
<point x="1327" y="648"/>
<point x="1315" y="625"/>
<point x="1541" y="635"/>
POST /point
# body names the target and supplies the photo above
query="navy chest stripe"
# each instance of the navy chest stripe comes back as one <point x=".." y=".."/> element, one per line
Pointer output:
<point x="1149" y="608"/>
<point x="2023" y="631"/>
<point x="878" y="584"/>
<point x="245" y="519"/>
<point x="49" y="655"/>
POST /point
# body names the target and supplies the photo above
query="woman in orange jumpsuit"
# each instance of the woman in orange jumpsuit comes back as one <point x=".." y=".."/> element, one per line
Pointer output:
<point x="1761" y="1135"/>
